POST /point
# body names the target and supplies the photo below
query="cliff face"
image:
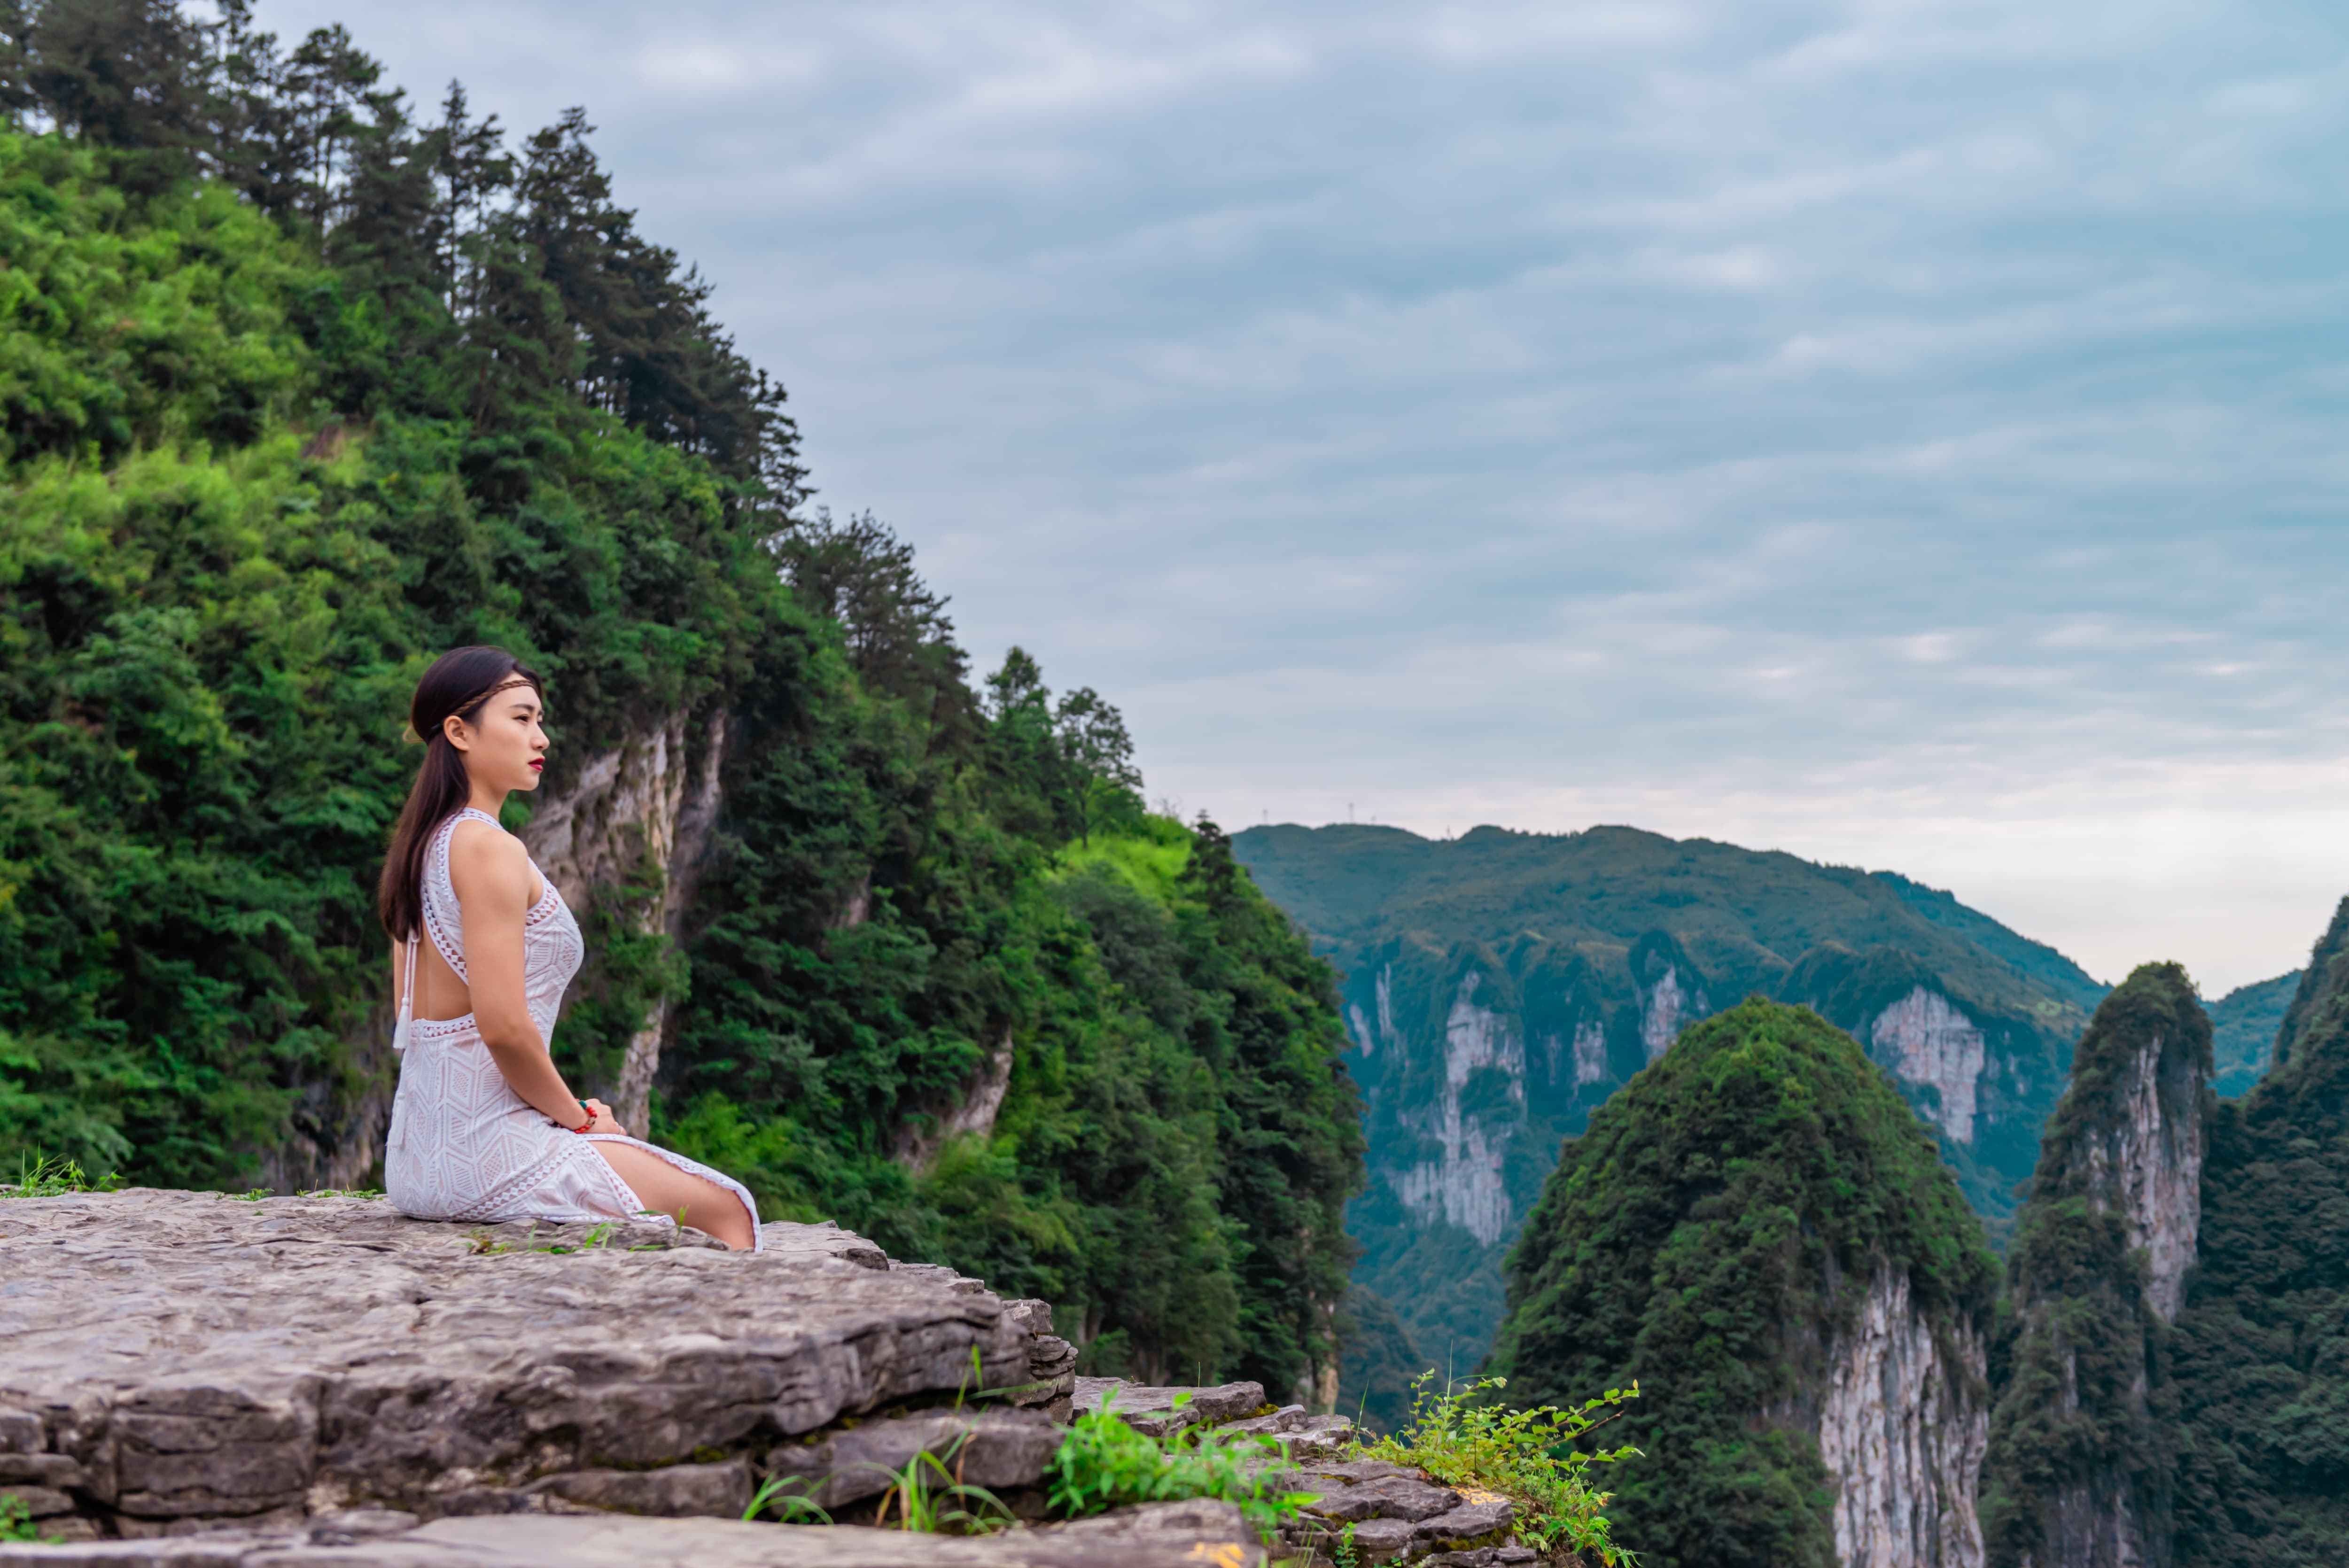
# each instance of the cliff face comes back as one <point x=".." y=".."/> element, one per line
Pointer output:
<point x="1902" y="1426"/>
<point x="630" y="827"/>
<point x="2083" y="1451"/>
<point x="1758" y="1229"/>
<point x="2261" y="1350"/>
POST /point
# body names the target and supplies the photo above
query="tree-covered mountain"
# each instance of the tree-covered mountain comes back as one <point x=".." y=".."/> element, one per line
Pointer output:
<point x="2083" y="1442"/>
<point x="2243" y="1027"/>
<point x="1758" y="1230"/>
<point x="1501" y="987"/>
<point x="299" y="387"/>
<point x="2261" y="1349"/>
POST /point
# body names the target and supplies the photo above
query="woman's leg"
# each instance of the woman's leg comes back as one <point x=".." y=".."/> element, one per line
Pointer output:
<point x="688" y="1199"/>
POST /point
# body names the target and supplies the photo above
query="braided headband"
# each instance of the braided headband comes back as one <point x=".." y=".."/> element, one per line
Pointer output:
<point x="508" y="683"/>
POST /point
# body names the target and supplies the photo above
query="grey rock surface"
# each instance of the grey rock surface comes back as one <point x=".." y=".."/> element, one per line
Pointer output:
<point x="1478" y="1522"/>
<point x="1300" y="1436"/>
<point x="179" y="1359"/>
<point x="1389" y="1497"/>
<point x="1166" y="1535"/>
<point x="995" y="1448"/>
<point x="1158" y="1411"/>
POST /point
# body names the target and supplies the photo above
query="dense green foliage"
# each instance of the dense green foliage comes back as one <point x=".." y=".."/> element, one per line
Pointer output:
<point x="1104" y="1464"/>
<point x="2244" y="1024"/>
<point x="2086" y="1418"/>
<point x="2262" y="1350"/>
<point x="293" y="394"/>
<point x="1466" y="1436"/>
<point x="1560" y="964"/>
<point x="1755" y="1179"/>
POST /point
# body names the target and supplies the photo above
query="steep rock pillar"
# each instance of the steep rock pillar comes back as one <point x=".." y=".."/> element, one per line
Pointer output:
<point x="1902" y="1425"/>
<point x="647" y="803"/>
<point x="2083" y="1445"/>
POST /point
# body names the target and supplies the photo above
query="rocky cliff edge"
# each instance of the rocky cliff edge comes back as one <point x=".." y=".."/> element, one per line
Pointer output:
<point x="194" y="1379"/>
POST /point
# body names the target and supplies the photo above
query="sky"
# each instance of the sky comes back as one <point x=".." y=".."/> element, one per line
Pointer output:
<point x="1905" y="433"/>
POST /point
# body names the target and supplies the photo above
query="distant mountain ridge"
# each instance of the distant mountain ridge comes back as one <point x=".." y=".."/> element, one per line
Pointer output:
<point x="1501" y="986"/>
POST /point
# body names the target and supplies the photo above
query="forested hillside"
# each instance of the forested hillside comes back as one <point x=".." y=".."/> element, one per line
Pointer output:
<point x="2244" y="1026"/>
<point x="300" y="386"/>
<point x="1757" y="1230"/>
<point x="1501" y="987"/>
<point x="2260" y="1356"/>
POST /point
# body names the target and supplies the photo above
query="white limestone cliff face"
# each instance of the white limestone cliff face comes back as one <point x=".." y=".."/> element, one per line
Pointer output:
<point x="1663" y="1008"/>
<point x="1926" y="1040"/>
<point x="2148" y="1167"/>
<point x="1358" y="1023"/>
<point x="1589" y="1052"/>
<point x="1465" y="1185"/>
<point x="1903" y="1422"/>
<point x="653" y="798"/>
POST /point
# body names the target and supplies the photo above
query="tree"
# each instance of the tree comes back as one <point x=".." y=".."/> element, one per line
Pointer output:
<point x="1107" y="786"/>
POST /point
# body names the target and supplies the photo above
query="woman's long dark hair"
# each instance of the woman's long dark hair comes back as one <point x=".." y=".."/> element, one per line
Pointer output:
<point x="461" y="682"/>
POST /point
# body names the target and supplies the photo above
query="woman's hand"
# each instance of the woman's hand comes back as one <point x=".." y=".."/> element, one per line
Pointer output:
<point x="605" y="1121"/>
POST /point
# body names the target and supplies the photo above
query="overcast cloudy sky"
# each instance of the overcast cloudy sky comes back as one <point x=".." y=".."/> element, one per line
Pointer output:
<point x="1904" y="433"/>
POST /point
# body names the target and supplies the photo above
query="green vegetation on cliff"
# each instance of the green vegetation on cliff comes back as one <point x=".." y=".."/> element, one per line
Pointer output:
<point x="295" y="392"/>
<point x="2262" y="1350"/>
<point x="1725" y="1214"/>
<point x="2244" y="1024"/>
<point x="2083" y="1439"/>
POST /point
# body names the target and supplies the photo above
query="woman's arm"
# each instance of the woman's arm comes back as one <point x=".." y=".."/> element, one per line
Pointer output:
<point x="492" y="876"/>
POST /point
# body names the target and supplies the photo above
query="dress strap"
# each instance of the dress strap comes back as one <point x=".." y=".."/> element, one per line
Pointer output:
<point x="443" y="920"/>
<point x="406" y="999"/>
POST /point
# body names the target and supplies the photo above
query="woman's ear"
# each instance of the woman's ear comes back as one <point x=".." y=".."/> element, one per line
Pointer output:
<point x="460" y="735"/>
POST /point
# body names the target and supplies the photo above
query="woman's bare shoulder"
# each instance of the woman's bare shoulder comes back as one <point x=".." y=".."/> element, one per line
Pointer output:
<point x="485" y="852"/>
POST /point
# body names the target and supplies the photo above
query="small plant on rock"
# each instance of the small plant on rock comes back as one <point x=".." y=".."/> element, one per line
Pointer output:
<point x="775" y="1492"/>
<point x="1464" y="1438"/>
<point x="930" y="1497"/>
<point x="1104" y="1463"/>
<point x="48" y="1176"/>
<point x="16" y="1522"/>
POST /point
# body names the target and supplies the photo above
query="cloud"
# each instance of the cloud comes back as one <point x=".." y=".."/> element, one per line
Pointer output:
<point x="1903" y="430"/>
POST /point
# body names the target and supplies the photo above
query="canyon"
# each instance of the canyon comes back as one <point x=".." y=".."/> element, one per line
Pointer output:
<point x="1501" y="987"/>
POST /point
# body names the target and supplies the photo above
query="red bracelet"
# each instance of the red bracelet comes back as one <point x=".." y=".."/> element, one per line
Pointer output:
<point x="586" y="1126"/>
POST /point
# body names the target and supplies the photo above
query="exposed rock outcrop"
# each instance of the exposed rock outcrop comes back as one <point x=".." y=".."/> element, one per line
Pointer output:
<point x="190" y="1378"/>
<point x="1161" y="1535"/>
<point x="1902" y="1425"/>
<point x="170" y="1359"/>
<point x="2083" y="1448"/>
<point x="1929" y="1042"/>
<point x="1461" y="1180"/>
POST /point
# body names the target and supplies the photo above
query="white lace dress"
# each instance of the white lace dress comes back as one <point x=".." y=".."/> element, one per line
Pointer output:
<point x="463" y="1145"/>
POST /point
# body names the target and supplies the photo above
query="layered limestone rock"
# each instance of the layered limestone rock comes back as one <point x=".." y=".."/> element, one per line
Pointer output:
<point x="2083" y="1444"/>
<point x="1161" y="1535"/>
<point x="170" y="1360"/>
<point x="1928" y="1042"/>
<point x="191" y="1378"/>
<point x="1902" y="1425"/>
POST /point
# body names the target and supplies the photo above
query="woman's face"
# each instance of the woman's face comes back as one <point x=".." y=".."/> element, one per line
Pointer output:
<point x="505" y="748"/>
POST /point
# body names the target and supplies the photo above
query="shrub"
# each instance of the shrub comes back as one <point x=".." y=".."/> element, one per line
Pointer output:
<point x="1464" y="1438"/>
<point x="1104" y="1464"/>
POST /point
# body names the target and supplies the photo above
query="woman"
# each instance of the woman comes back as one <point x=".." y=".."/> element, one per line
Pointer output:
<point x="484" y="1127"/>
